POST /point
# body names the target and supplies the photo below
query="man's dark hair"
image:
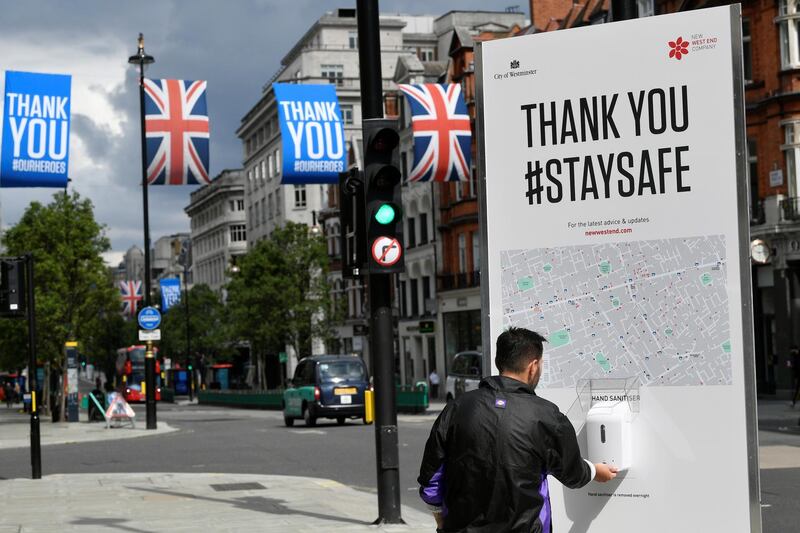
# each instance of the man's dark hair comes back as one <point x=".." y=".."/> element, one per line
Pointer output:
<point x="516" y="348"/>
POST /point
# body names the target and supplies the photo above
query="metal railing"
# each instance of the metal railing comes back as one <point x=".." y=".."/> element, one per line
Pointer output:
<point x="790" y="209"/>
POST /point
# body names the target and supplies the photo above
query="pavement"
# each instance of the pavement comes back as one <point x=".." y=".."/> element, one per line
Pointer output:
<point x="146" y="503"/>
<point x="15" y="430"/>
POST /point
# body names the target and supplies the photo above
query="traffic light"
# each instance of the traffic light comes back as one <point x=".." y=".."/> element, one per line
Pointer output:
<point x="352" y="237"/>
<point x="383" y="196"/>
<point x="12" y="291"/>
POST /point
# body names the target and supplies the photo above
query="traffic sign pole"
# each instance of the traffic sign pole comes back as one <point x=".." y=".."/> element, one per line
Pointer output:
<point x="149" y="319"/>
<point x="382" y="333"/>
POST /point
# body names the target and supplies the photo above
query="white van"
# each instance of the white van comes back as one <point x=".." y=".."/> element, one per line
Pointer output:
<point x="465" y="374"/>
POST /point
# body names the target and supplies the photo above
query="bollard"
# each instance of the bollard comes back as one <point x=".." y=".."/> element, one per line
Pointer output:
<point x="369" y="406"/>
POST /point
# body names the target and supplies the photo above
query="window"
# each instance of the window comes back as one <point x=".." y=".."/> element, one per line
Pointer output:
<point x="271" y="206"/>
<point x="264" y="169"/>
<point x="788" y="22"/>
<point x="271" y="167"/>
<point x="791" y="149"/>
<point x="263" y="210"/>
<point x="752" y="162"/>
<point x="403" y="165"/>
<point x="476" y="251"/>
<point x="233" y="205"/>
<point x="411" y="238"/>
<point x="462" y="252"/>
<point x="347" y="114"/>
<point x="277" y="162"/>
<point x="425" y="54"/>
<point x="459" y="191"/>
<point x="257" y="221"/>
<point x="403" y="305"/>
<point x="747" y="51"/>
<point x="250" y="216"/>
<point x="423" y="228"/>
<point x="334" y="73"/>
<point x="238" y="233"/>
<point x="240" y="205"/>
<point x="414" y="298"/>
<point x="299" y="196"/>
<point x="426" y="293"/>
<point x="278" y="202"/>
<point x="645" y="8"/>
<point x="352" y="40"/>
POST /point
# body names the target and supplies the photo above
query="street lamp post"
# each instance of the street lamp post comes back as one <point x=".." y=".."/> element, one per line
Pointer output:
<point x="185" y="260"/>
<point x="141" y="58"/>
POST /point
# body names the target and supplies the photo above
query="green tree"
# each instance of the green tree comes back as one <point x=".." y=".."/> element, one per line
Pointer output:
<point x="74" y="293"/>
<point x="281" y="295"/>
<point x="207" y="325"/>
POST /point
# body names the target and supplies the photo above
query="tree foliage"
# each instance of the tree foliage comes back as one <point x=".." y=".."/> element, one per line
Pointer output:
<point x="281" y="294"/>
<point x="207" y="325"/>
<point x="75" y="298"/>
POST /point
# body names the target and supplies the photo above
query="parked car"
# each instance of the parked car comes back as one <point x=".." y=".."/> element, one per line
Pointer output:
<point x="465" y="374"/>
<point x="326" y="386"/>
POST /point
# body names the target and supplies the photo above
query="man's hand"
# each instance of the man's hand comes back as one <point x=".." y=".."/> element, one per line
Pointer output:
<point x="439" y="519"/>
<point x="604" y="472"/>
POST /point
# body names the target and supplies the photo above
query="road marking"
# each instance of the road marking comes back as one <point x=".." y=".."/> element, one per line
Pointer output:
<point x="308" y="432"/>
<point x="780" y="456"/>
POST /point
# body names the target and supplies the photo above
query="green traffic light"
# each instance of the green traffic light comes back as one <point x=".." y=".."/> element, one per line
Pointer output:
<point x="385" y="214"/>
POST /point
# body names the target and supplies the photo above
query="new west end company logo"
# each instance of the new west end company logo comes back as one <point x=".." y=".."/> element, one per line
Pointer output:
<point x="678" y="48"/>
<point x="697" y="42"/>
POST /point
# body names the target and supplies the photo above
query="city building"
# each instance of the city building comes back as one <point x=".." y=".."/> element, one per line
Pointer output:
<point x="438" y="295"/>
<point x="218" y="228"/>
<point x="416" y="293"/>
<point x="327" y="53"/>
<point x="132" y="265"/>
<point x="164" y="257"/>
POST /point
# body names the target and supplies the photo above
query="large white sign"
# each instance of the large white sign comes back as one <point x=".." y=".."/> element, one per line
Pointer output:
<point x="614" y="227"/>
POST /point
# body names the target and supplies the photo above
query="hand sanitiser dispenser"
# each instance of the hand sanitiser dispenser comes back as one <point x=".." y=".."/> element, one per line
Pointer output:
<point x="608" y="433"/>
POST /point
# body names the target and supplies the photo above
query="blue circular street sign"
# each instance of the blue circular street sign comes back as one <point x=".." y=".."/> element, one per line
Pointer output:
<point x="149" y="318"/>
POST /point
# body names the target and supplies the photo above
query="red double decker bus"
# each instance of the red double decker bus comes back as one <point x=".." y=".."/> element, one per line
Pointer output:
<point x="130" y="372"/>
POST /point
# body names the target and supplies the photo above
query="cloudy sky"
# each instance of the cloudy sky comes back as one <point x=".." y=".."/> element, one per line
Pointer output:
<point x="235" y="45"/>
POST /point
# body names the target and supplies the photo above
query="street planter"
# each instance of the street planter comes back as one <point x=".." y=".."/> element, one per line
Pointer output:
<point x="412" y="399"/>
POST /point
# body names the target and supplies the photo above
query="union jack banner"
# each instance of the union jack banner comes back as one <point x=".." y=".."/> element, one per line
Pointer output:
<point x="131" y="295"/>
<point x="442" y="134"/>
<point x="176" y="126"/>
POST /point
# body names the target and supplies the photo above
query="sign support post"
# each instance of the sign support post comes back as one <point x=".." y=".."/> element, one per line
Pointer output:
<point x="382" y="333"/>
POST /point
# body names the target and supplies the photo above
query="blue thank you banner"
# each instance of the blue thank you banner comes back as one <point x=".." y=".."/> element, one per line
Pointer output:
<point x="170" y="293"/>
<point x="35" y="149"/>
<point x="312" y="134"/>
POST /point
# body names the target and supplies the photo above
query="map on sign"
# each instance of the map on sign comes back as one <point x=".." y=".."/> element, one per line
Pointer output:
<point x="657" y="310"/>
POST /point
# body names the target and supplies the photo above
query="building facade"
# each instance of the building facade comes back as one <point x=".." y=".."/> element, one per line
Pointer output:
<point x="419" y="351"/>
<point x="218" y="228"/>
<point x="327" y="53"/>
<point x="164" y="257"/>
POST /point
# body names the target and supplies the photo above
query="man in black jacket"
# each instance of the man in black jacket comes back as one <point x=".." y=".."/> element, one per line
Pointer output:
<point x="490" y="451"/>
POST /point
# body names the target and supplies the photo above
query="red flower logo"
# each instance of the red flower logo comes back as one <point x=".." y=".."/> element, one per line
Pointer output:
<point x="678" y="48"/>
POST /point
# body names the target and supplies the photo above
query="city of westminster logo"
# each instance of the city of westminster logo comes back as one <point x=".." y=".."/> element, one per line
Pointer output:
<point x="514" y="63"/>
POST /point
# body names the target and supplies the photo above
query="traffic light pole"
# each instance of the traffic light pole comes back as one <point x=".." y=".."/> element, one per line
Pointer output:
<point x="381" y="330"/>
<point x="36" y="446"/>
